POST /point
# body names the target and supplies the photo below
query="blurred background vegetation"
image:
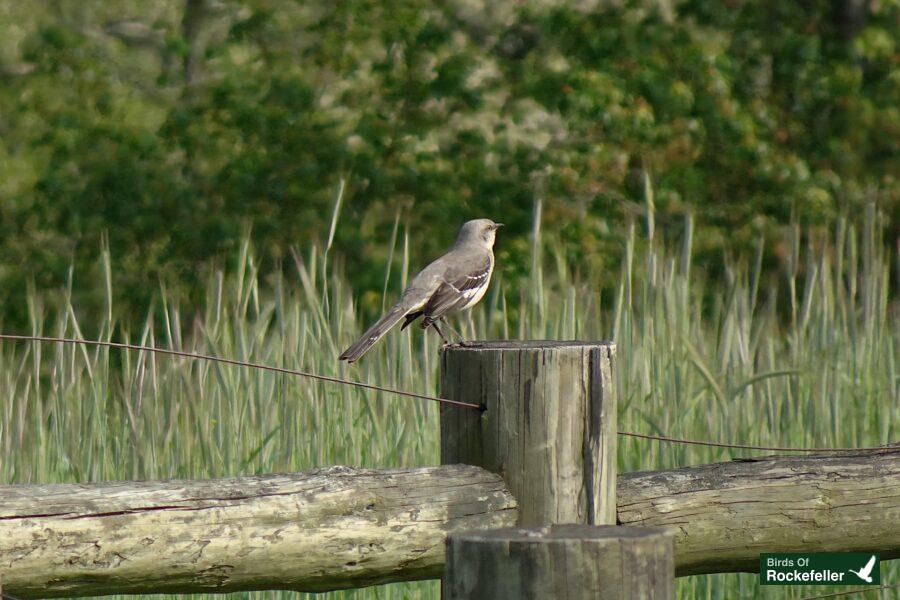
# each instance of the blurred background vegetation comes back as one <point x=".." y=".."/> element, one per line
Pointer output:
<point x="165" y="131"/>
<point x="713" y="185"/>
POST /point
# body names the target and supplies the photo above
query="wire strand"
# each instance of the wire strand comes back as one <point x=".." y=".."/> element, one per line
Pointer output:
<point x="239" y="363"/>
<point x="369" y="386"/>
<point x="660" y="438"/>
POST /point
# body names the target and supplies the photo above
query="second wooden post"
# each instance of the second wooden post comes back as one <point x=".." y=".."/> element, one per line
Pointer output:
<point x="548" y="424"/>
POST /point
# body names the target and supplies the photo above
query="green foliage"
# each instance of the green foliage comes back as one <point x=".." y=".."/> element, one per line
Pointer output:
<point x="745" y="114"/>
<point x="730" y="370"/>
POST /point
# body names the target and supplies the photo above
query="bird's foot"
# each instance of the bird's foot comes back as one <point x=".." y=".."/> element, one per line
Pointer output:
<point x="460" y="344"/>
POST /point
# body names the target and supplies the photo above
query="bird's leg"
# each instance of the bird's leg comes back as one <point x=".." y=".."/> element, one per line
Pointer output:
<point x="436" y="328"/>
<point x="462" y="340"/>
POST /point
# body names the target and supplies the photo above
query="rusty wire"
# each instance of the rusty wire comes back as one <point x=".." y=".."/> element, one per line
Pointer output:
<point x="378" y="388"/>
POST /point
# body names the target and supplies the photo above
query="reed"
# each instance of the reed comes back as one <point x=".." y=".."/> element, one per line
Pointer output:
<point x="807" y="355"/>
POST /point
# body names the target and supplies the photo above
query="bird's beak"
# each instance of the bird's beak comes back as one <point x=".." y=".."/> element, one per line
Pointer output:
<point x="499" y="225"/>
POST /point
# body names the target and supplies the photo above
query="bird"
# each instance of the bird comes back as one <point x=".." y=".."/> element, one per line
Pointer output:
<point x="866" y="572"/>
<point x="454" y="282"/>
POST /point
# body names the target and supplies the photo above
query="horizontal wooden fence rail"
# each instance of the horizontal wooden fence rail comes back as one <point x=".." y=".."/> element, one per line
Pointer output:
<point x="340" y="528"/>
<point x="327" y="529"/>
<point x="725" y="514"/>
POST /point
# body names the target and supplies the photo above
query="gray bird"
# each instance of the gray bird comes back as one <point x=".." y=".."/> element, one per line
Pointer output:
<point x="455" y="281"/>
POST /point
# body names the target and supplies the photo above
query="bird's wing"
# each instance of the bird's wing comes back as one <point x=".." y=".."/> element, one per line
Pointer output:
<point x="459" y="286"/>
<point x="868" y="568"/>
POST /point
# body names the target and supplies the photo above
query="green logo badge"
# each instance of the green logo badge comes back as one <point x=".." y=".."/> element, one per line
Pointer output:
<point x="820" y="568"/>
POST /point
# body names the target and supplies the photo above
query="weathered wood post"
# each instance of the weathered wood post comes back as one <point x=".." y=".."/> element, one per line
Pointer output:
<point x="560" y="561"/>
<point x="548" y="426"/>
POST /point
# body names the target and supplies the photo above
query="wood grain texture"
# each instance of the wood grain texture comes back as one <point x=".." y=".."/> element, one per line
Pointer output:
<point x="725" y="514"/>
<point x="548" y="426"/>
<point x="327" y="529"/>
<point x="576" y="562"/>
<point x="341" y="528"/>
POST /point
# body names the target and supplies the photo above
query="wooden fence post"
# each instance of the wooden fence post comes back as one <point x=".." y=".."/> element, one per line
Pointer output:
<point x="548" y="426"/>
<point x="560" y="561"/>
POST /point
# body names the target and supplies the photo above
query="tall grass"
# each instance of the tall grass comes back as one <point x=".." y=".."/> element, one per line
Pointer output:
<point x="807" y="355"/>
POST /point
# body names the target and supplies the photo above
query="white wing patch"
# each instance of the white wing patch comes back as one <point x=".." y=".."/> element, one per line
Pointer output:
<point x="476" y="286"/>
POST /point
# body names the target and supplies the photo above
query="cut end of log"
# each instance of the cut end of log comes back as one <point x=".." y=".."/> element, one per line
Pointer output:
<point x="525" y="345"/>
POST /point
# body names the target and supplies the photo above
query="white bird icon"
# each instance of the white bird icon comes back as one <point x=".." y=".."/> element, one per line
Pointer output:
<point x="865" y="572"/>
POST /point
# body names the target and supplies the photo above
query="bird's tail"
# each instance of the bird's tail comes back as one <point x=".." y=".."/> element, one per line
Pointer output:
<point x="373" y="334"/>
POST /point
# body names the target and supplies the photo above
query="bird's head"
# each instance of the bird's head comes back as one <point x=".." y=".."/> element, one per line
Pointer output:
<point x="482" y="231"/>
